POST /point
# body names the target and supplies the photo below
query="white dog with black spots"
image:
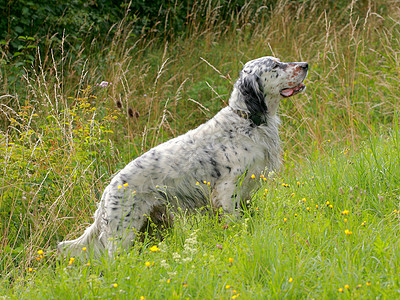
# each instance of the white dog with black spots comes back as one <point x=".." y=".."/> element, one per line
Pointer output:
<point x="242" y="139"/>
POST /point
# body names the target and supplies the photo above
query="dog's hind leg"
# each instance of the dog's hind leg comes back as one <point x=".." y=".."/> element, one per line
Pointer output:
<point x="126" y="221"/>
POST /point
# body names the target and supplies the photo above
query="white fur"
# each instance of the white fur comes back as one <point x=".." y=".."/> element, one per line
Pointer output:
<point x="241" y="140"/>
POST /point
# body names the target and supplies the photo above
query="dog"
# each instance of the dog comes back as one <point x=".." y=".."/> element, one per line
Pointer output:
<point x="211" y="165"/>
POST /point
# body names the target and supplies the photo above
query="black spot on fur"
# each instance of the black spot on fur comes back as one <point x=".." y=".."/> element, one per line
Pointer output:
<point x="282" y="66"/>
<point x="227" y="157"/>
<point x="216" y="173"/>
<point x="213" y="162"/>
<point x="123" y="178"/>
<point x="138" y="164"/>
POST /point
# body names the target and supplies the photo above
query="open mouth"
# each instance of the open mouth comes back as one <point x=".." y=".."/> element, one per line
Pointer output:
<point x="293" y="91"/>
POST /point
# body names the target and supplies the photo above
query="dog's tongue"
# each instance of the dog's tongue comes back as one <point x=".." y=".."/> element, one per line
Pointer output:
<point x="287" y="92"/>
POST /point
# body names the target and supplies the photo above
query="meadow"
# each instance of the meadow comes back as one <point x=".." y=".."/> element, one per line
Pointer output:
<point x="325" y="227"/>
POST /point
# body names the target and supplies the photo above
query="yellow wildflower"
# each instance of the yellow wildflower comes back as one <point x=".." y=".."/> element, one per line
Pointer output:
<point x="347" y="286"/>
<point x="253" y="176"/>
<point x="235" y="296"/>
<point x="227" y="286"/>
<point x="147" y="264"/>
<point x="120" y="186"/>
<point x="154" y="248"/>
<point x="84" y="249"/>
<point x="71" y="260"/>
<point x="348" y="232"/>
<point x="115" y="285"/>
<point x="340" y="290"/>
<point x="345" y="212"/>
<point x="40" y="252"/>
<point x="125" y="184"/>
<point x="290" y="279"/>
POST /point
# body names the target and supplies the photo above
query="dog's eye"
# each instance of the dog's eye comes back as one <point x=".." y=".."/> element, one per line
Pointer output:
<point x="275" y="67"/>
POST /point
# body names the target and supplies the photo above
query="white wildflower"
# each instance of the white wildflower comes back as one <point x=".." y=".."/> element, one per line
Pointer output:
<point x="164" y="264"/>
<point x="171" y="274"/>
<point x="176" y="256"/>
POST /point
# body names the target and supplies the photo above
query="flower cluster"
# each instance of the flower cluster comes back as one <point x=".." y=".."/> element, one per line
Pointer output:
<point x="233" y="292"/>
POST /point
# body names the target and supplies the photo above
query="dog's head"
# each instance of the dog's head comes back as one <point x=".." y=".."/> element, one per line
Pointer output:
<point x="264" y="81"/>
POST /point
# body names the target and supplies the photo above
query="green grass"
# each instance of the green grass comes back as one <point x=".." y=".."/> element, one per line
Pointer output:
<point x="296" y="229"/>
<point x="62" y="138"/>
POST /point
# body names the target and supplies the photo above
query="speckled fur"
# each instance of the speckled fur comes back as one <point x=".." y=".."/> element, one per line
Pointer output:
<point x="221" y="151"/>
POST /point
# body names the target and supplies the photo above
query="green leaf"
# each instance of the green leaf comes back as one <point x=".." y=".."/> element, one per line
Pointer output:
<point x="18" y="29"/>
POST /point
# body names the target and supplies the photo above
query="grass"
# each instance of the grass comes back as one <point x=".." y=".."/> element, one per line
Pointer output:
<point x="328" y="232"/>
<point x="62" y="137"/>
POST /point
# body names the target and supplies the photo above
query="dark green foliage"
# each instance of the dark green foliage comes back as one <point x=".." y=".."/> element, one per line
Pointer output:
<point x="48" y="17"/>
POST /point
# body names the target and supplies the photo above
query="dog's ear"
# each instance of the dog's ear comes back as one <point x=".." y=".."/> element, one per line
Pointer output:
<point x="253" y="96"/>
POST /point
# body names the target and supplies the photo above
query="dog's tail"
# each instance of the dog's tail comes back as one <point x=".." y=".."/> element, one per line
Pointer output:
<point x="89" y="242"/>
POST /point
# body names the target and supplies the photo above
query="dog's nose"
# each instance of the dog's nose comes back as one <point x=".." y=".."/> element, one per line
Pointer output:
<point x="304" y="66"/>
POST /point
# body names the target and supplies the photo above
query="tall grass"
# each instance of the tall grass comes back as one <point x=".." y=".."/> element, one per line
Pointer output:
<point x="328" y="232"/>
<point x="62" y="136"/>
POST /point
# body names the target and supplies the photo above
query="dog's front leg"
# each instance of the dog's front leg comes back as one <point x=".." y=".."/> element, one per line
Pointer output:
<point x="224" y="195"/>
